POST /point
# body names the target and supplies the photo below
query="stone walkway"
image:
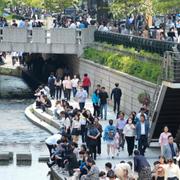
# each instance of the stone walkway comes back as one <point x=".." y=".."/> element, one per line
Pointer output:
<point x="151" y="153"/>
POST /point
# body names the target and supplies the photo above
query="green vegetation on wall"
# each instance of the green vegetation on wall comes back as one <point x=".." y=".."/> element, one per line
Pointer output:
<point x="128" y="64"/>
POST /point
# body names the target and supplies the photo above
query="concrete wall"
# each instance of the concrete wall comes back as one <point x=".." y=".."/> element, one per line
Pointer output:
<point x="130" y="86"/>
<point x="40" y="40"/>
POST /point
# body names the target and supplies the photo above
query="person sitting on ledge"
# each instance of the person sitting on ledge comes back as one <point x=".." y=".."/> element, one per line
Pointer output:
<point x="45" y="103"/>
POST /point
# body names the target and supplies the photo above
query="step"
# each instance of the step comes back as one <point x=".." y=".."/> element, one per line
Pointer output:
<point x="34" y="119"/>
<point x="45" y="117"/>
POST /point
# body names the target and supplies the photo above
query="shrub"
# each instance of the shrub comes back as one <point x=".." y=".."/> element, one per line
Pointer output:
<point x="149" y="71"/>
<point x="144" y="98"/>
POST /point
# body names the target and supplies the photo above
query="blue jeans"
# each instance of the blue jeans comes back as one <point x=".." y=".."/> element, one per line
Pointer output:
<point x="74" y="89"/>
<point x="103" y="108"/>
<point x="81" y="105"/>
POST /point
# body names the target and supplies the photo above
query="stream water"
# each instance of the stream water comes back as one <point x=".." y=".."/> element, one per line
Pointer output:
<point x="19" y="135"/>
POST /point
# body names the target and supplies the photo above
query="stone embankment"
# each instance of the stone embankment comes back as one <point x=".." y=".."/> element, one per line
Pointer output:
<point x="45" y="121"/>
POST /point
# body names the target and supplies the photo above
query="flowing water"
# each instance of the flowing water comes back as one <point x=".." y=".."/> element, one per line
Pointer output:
<point x="19" y="135"/>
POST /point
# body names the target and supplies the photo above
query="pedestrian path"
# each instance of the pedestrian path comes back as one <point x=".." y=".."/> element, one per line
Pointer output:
<point x="151" y="153"/>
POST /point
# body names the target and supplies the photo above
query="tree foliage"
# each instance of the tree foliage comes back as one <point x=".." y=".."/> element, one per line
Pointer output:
<point x="166" y="6"/>
<point x="57" y="5"/>
<point x="123" y="8"/>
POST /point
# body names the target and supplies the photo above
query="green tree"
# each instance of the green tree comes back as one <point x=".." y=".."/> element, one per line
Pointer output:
<point x="166" y="6"/>
<point x="123" y="8"/>
<point x="58" y="5"/>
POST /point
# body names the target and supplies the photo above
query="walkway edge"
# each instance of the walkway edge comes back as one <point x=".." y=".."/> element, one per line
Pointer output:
<point x="40" y="123"/>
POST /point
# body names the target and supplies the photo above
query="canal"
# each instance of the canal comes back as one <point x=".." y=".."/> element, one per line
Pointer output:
<point x="18" y="135"/>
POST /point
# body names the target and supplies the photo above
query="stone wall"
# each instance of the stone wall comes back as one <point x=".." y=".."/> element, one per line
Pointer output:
<point x="131" y="86"/>
<point x="11" y="72"/>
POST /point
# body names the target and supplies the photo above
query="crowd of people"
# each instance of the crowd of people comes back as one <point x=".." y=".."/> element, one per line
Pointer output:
<point x="77" y="156"/>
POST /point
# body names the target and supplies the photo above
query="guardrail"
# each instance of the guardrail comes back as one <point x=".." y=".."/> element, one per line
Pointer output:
<point x="171" y="67"/>
<point x="137" y="42"/>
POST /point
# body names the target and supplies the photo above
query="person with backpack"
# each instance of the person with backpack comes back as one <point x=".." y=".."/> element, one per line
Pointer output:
<point x="109" y="134"/>
<point x="51" y="84"/>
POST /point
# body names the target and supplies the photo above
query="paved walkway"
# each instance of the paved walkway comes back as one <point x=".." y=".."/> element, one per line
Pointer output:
<point x="151" y="153"/>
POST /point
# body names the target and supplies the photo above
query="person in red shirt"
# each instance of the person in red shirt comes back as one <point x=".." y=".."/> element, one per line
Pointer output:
<point x="86" y="83"/>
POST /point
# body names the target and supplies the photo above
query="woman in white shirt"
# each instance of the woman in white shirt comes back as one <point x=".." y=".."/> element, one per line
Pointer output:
<point x="129" y="133"/>
<point x="75" y="82"/>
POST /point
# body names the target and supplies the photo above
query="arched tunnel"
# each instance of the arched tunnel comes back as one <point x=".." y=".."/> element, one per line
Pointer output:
<point x="39" y="67"/>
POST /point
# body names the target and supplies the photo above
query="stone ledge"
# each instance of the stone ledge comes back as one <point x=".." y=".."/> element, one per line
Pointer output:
<point x="35" y="120"/>
<point x="45" y="117"/>
<point x="24" y="157"/>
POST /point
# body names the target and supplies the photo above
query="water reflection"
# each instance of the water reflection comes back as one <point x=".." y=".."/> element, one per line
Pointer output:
<point x="18" y="135"/>
<point x="13" y="87"/>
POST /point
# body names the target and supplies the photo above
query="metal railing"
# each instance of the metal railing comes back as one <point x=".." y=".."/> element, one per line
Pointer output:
<point x="136" y="42"/>
<point x="171" y="67"/>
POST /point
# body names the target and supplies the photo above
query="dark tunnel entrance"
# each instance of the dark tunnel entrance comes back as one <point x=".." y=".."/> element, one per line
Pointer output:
<point x="39" y="67"/>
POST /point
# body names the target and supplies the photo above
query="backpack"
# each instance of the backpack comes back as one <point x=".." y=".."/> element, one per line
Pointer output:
<point x="111" y="133"/>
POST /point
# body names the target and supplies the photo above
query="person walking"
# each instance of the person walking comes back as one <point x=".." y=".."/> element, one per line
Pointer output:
<point x="163" y="139"/>
<point x="116" y="95"/>
<point x="103" y="95"/>
<point x="142" y="129"/>
<point x="74" y="82"/>
<point x="142" y="166"/>
<point x="81" y="97"/>
<point x="86" y="83"/>
<point x="109" y="134"/>
<point x="121" y="122"/>
<point x="51" y="84"/>
<point x="129" y="133"/>
<point x="170" y="150"/>
<point x="96" y="103"/>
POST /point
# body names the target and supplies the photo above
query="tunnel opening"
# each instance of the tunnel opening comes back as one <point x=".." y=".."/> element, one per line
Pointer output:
<point x="39" y="67"/>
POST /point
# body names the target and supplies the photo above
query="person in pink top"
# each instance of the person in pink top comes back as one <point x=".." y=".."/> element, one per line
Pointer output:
<point x="163" y="139"/>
